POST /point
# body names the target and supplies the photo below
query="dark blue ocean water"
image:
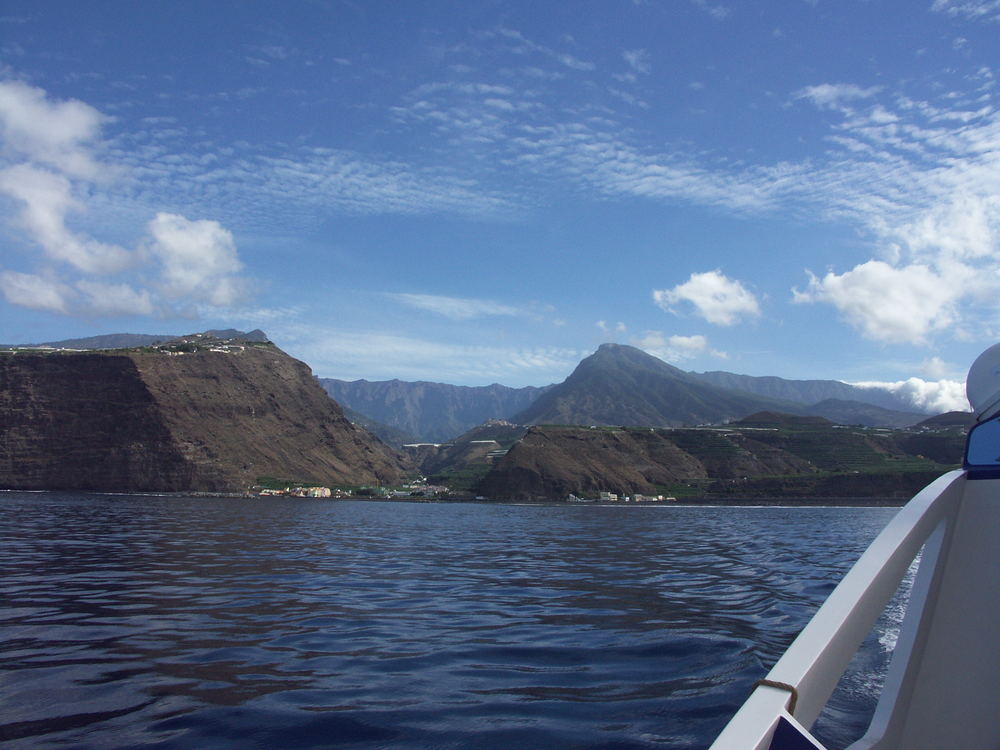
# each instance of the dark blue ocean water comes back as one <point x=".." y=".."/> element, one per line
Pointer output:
<point x="224" y="623"/>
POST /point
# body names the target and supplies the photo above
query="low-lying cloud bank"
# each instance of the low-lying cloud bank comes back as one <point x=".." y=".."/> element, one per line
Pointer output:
<point x="933" y="397"/>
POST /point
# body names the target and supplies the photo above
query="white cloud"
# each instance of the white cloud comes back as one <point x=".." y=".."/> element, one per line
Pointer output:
<point x="456" y="308"/>
<point x="46" y="200"/>
<point x="886" y="303"/>
<point x="380" y="355"/>
<point x="988" y="10"/>
<point x="35" y="292"/>
<point x="115" y="299"/>
<point x="638" y="60"/>
<point x="54" y="143"/>
<point x="719" y="12"/>
<point x="935" y="367"/>
<point x="53" y="133"/>
<point x="619" y="327"/>
<point x="965" y="227"/>
<point x="675" y="348"/>
<point x="932" y="397"/>
<point x="715" y="297"/>
<point x="833" y="95"/>
<point x="938" y="263"/>
<point x="198" y="259"/>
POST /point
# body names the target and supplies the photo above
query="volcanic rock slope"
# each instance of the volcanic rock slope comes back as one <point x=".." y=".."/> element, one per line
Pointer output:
<point x="153" y="420"/>
<point x="766" y="454"/>
<point x="622" y="385"/>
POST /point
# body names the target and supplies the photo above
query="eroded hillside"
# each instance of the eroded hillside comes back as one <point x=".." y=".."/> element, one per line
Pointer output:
<point x="800" y="458"/>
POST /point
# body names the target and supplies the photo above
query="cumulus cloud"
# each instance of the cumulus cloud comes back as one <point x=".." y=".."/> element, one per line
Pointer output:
<point x="49" y="148"/>
<point x="115" y="299"/>
<point x="35" y="292"/>
<point x="715" y="297"/>
<point x="936" y="263"/>
<point x="456" y="308"/>
<point x="886" y="303"/>
<point x="198" y="259"/>
<point x="932" y="397"/>
<point x="57" y="134"/>
<point x="46" y="199"/>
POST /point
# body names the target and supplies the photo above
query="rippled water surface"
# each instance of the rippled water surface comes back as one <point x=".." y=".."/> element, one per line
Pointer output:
<point x="217" y="623"/>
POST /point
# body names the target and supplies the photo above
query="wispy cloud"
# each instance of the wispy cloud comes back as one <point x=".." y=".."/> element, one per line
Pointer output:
<point x="716" y="10"/>
<point x="834" y="95"/>
<point x="924" y="180"/>
<point x="457" y="308"/>
<point x="675" y="348"/>
<point x="522" y="44"/>
<point x="638" y="60"/>
<point x="350" y="355"/>
<point x="986" y="10"/>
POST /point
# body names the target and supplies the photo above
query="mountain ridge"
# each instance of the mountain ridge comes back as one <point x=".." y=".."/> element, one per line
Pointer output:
<point x="433" y="412"/>
<point x="623" y="385"/>
<point x="402" y="411"/>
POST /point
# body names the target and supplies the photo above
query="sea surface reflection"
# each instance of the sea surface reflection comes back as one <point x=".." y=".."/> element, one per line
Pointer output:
<point x="215" y="623"/>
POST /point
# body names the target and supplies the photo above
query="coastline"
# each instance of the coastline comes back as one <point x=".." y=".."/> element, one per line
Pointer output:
<point x="689" y="502"/>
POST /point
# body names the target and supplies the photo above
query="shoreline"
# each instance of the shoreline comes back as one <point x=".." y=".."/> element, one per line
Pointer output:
<point x="690" y="502"/>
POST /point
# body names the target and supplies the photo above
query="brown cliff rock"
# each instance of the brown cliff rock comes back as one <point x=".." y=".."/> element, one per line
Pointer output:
<point x="550" y="462"/>
<point x="203" y="420"/>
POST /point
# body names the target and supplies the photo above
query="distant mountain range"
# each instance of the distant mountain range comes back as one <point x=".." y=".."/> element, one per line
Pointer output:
<point x="433" y="412"/>
<point x="805" y="391"/>
<point x="617" y="385"/>
<point x="622" y="385"/>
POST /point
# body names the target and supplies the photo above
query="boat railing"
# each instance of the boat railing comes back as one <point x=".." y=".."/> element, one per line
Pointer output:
<point x="793" y="694"/>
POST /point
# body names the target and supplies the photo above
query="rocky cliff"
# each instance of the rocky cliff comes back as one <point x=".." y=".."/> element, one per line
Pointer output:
<point x="190" y="419"/>
<point x="795" y="456"/>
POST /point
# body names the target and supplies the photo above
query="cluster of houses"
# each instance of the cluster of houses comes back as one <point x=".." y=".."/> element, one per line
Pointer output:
<point x="304" y="492"/>
<point x="420" y="489"/>
<point x="415" y="489"/>
<point x="611" y="497"/>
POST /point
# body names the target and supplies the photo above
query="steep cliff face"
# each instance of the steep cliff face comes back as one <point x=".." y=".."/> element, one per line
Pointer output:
<point x="195" y="421"/>
<point x="84" y="421"/>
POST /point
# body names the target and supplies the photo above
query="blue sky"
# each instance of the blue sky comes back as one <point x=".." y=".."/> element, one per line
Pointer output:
<point x="477" y="192"/>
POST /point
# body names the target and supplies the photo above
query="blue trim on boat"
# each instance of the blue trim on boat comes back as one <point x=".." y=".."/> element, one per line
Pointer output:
<point x="972" y="473"/>
<point x="788" y="737"/>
